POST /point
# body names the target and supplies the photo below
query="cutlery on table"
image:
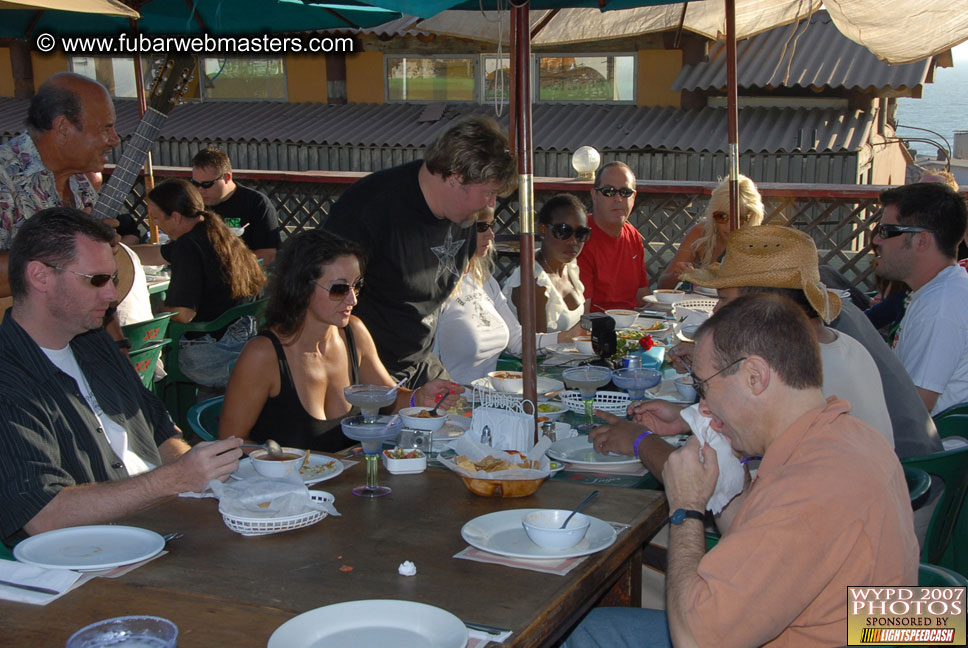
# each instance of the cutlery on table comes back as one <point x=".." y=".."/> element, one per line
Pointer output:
<point x="489" y="629"/>
<point x="591" y="496"/>
<point x="270" y="446"/>
<point x="30" y="588"/>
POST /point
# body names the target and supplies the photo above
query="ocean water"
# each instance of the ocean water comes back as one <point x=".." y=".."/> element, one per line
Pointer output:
<point x="943" y="107"/>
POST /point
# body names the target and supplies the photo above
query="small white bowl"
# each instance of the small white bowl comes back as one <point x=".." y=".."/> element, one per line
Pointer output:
<point x="665" y="296"/>
<point x="278" y="468"/>
<point x="511" y="382"/>
<point x="564" y="431"/>
<point x="238" y="231"/>
<point x="542" y="527"/>
<point x="408" y="466"/>
<point x="552" y="411"/>
<point x="685" y="388"/>
<point x="623" y="318"/>
<point x="584" y="344"/>
<point x="414" y="422"/>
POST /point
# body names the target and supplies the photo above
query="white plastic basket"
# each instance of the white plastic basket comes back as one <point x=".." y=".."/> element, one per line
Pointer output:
<point x="611" y="402"/>
<point x="700" y="304"/>
<point x="266" y="526"/>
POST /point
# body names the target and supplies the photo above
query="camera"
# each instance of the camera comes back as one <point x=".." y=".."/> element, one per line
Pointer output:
<point x="418" y="439"/>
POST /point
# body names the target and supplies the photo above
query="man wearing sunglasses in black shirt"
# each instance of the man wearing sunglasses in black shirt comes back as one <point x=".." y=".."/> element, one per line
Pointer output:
<point x="612" y="263"/>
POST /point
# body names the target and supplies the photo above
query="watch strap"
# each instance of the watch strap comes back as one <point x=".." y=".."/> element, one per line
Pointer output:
<point x="681" y="515"/>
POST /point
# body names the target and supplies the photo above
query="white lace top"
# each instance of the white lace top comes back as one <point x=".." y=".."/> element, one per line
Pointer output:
<point x="557" y="314"/>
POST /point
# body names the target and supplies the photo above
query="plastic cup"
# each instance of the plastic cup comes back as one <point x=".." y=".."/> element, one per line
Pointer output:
<point x="126" y="632"/>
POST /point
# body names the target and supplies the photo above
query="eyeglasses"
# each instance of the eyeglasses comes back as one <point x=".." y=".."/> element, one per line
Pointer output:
<point x="207" y="184"/>
<point x="700" y="384"/>
<point x="97" y="280"/>
<point x="721" y="217"/>
<point x="608" y="191"/>
<point x="887" y="230"/>
<point x="483" y="227"/>
<point x="338" y="292"/>
<point x="564" y="231"/>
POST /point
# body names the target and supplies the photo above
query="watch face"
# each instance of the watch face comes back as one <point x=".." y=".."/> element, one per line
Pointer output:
<point x="678" y="517"/>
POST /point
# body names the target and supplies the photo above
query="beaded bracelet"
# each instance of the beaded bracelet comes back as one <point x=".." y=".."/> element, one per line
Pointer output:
<point x="413" y="395"/>
<point x="638" y="440"/>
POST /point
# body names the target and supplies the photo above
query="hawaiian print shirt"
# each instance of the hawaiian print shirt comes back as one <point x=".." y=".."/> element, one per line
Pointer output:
<point x="27" y="186"/>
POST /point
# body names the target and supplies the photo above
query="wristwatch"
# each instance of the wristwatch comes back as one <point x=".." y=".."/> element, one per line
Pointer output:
<point x="680" y="516"/>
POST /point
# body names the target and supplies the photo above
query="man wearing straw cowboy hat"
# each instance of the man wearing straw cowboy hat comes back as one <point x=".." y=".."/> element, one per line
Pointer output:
<point x="767" y="258"/>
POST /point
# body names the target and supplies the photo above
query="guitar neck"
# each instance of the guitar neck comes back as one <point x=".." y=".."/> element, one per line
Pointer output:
<point x="111" y="199"/>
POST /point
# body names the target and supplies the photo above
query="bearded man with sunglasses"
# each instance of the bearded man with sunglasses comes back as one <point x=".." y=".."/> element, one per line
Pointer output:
<point x="916" y="242"/>
<point x="81" y="439"/>
<point x="612" y="263"/>
<point x="415" y="222"/>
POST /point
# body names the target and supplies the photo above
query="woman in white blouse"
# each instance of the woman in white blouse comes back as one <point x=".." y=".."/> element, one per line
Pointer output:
<point x="559" y="294"/>
<point x="475" y="323"/>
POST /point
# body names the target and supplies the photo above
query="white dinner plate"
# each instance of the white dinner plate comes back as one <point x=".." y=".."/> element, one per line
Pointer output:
<point x="580" y="452"/>
<point x="501" y="533"/>
<point x="354" y="624"/>
<point x="569" y="348"/>
<point x="320" y="469"/>
<point x="89" y="548"/>
<point x="545" y="385"/>
<point x="707" y="292"/>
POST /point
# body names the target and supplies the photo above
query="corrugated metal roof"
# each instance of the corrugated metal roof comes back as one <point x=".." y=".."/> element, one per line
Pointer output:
<point x="811" y="54"/>
<point x="562" y="127"/>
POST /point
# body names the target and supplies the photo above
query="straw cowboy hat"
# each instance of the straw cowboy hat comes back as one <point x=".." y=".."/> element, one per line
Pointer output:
<point x="770" y="256"/>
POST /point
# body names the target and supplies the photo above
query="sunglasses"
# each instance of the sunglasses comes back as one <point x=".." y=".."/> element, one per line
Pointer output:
<point x="564" y="231"/>
<point x="608" y="191"/>
<point x="207" y="184"/>
<point x="483" y="227"/>
<point x="700" y="384"/>
<point x="721" y="217"/>
<point x="886" y="230"/>
<point x="338" y="292"/>
<point x="97" y="280"/>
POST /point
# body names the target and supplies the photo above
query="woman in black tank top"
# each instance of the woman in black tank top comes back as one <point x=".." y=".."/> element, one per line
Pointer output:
<point x="288" y="383"/>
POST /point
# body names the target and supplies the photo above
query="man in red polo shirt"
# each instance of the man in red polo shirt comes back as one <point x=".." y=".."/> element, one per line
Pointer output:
<point x="612" y="264"/>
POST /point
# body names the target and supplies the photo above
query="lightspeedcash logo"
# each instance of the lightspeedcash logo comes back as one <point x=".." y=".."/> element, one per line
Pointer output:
<point x="925" y="616"/>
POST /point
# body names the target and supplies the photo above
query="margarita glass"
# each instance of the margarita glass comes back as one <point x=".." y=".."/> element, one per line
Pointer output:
<point x="587" y="379"/>
<point x="371" y="435"/>
<point x="636" y="381"/>
<point x="370" y="399"/>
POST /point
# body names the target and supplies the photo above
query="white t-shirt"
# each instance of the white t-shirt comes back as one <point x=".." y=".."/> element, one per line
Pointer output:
<point x="474" y="327"/>
<point x="558" y="316"/>
<point x="932" y="340"/>
<point x="116" y="435"/>
<point x="850" y="373"/>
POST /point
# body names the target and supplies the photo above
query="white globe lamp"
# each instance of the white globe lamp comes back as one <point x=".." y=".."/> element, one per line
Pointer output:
<point x="585" y="161"/>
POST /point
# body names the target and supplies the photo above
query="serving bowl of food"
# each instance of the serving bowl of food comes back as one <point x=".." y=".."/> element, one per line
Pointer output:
<point x="551" y="411"/>
<point x="668" y="296"/>
<point x="623" y="318"/>
<point x="544" y="528"/>
<point x="288" y="463"/>
<point x="507" y="381"/>
<point x="584" y="344"/>
<point x="420" y="418"/>
<point x="404" y="461"/>
<point x="509" y="478"/>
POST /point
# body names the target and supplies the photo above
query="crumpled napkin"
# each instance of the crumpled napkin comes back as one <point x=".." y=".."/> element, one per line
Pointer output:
<point x="509" y="430"/>
<point x="62" y="580"/>
<point x="261" y="497"/>
<point x="731" y="473"/>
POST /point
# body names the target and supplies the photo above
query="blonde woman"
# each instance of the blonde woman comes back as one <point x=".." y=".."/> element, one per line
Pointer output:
<point x="476" y="324"/>
<point x="706" y="242"/>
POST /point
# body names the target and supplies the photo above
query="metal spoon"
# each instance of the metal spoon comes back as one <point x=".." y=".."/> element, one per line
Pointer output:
<point x="270" y="446"/>
<point x="440" y="400"/>
<point x="592" y="495"/>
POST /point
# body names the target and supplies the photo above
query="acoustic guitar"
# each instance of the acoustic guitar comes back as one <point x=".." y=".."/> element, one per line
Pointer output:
<point x="174" y="79"/>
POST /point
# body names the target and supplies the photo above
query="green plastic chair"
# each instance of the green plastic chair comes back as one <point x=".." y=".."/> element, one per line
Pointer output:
<point x="204" y="417"/>
<point x="145" y="359"/>
<point x="141" y="334"/>
<point x="946" y="542"/>
<point x="937" y="576"/>
<point x="178" y="390"/>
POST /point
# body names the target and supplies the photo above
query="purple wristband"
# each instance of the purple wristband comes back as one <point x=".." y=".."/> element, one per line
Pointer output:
<point x="413" y="395"/>
<point x="638" y="440"/>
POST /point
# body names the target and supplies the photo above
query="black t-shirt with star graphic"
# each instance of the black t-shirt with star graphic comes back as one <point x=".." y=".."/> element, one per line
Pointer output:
<point x="414" y="262"/>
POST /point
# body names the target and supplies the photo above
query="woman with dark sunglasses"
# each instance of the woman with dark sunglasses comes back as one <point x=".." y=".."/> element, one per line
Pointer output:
<point x="476" y="324"/>
<point x="706" y="242"/>
<point x="288" y="383"/>
<point x="559" y="294"/>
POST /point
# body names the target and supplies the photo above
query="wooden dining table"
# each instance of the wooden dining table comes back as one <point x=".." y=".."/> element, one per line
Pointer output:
<point x="223" y="589"/>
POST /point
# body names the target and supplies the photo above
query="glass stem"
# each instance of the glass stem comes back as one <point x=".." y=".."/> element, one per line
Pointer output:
<point x="371" y="466"/>
<point x="589" y="403"/>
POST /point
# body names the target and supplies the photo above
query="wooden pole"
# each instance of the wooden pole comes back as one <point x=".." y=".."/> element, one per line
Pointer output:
<point x="733" y="110"/>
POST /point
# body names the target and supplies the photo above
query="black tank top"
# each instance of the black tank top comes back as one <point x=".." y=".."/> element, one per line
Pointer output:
<point x="284" y="418"/>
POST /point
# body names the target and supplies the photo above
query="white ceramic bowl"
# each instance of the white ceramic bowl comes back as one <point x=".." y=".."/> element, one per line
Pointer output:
<point x="685" y="388"/>
<point x="414" y="422"/>
<point x="405" y="466"/>
<point x="507" y="381"/>
<point x="664" y="296"/>
<point x="542" y="527"/>
<point x="584" y="344"/>
<point x="623" y="318"/>
<point x="238" y="231"/>
<point x="278" y="468"/>
<point x="552" y="411"/>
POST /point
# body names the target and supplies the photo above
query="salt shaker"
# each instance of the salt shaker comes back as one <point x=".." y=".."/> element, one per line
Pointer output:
<point x="548" y="429"/>
<point x="486" y="436"/>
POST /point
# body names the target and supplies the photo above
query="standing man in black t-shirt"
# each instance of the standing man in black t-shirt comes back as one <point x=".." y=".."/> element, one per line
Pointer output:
<point x="237" y="205"/>
<point x="414" y="221"/>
